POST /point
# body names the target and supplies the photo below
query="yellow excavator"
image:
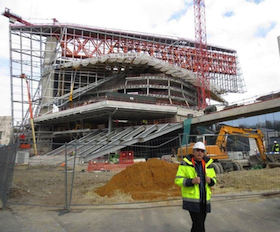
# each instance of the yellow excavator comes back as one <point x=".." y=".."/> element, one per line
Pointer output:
<point x="218" y="152"/>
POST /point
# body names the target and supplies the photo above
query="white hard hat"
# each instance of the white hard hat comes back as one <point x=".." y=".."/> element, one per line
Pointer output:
<point x="275" y="141"/>
<point x="199" y="145"/>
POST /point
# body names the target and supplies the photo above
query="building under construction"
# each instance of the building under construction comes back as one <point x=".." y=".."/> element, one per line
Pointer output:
<point x="85" y="79"/>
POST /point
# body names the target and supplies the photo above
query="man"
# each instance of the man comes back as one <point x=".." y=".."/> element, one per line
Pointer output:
<point x="275" y="147"/>
<point x="195" y="176"/>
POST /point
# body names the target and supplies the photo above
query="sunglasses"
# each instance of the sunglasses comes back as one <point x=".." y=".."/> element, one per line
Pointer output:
<point x="200" y="150"/>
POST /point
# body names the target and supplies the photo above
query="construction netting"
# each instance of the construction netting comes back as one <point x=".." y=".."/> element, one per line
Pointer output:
<point x="7" y="160"/>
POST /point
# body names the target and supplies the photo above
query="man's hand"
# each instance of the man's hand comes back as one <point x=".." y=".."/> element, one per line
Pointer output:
<point x="208" y="179"/>
<point x="196" y="180"/>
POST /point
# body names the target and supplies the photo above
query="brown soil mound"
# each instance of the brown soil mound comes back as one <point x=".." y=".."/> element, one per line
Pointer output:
<point x="149" y="180"/>
<point x="154" y="180"/>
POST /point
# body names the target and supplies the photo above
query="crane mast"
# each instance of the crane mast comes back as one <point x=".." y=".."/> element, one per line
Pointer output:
<point x="203" y="85"/>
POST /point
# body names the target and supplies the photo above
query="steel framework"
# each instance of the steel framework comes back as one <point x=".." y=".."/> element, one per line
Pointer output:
<point x="42" y="52"/>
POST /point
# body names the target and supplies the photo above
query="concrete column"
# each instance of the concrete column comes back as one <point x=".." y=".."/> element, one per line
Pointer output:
<point x="109" y="123"/>
<point x="6" y="130"/>
<point x="48" y="74"/>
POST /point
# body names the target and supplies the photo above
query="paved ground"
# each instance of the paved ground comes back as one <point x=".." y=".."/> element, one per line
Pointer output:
<point x="254" y="214"/>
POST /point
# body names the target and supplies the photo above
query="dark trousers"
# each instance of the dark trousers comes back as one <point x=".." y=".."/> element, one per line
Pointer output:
<point x="198" y="221"/>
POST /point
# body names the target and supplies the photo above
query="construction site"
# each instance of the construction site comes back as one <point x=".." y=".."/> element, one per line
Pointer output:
<point x="91" y="107"/>
<point x="102" y="118"/>
<point x="83" y="79"/>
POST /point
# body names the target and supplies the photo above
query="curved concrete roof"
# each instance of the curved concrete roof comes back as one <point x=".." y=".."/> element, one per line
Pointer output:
<point x="137" y="59"/>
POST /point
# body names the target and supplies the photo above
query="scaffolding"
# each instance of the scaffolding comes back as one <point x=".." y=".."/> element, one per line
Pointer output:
<point x="68" y="65"/>
<point x="42" y="52"/>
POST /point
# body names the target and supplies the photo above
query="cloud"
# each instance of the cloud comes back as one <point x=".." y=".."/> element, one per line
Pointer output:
<point x="179" y="14"/>
<point x="228" y="14"/>
<point x="262" y="31"/>
<point x="255" y="1"/>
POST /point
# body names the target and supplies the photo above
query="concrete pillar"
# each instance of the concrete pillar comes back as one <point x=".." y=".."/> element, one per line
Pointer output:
<point x="109" y="123"/>
<point x="6" y="130"/>
<point x="48" y="74"/>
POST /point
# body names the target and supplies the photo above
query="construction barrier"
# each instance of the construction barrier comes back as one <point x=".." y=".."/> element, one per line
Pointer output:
<point x="126" y="157"/>
<point x="93" y="166"/>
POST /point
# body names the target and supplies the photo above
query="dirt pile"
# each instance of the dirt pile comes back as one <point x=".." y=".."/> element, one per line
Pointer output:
<point x="146" y="181"/>
<point x="154" y="180"/>
<point x="149" y="180"/>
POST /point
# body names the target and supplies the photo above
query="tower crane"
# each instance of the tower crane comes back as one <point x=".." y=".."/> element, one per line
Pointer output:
<point x="15" y="18"/>
<point x="203" y="85"/>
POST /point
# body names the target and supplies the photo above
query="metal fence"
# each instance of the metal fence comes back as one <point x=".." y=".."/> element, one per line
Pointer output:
<point x="7" y="161"/>
<point x="64" y="179"/>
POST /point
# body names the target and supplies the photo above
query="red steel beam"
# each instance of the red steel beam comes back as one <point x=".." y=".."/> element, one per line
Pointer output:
<point x="76" y="46"/>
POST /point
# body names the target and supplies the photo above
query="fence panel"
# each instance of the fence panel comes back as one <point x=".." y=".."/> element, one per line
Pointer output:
<point x="67" y="180"/>
<point x="7" y="161"/>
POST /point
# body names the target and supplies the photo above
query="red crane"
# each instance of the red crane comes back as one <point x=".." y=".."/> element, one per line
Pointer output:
<point x="203" y="85"/>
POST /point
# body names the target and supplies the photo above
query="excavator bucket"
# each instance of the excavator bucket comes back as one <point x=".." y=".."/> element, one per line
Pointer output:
<point x="272" y="160"/>
<point x="255" y="160"/>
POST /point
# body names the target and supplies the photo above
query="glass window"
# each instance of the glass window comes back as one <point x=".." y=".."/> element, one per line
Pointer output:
<point x="261" y="121"/>
<point x="269" y="121"/>
<point x="277" y="121"/>
<point x="252" y="122"/>
<point x="241" y="122"/>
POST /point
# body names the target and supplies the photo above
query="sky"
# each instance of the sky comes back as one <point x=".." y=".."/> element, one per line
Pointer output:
<point x="250" y="27"/>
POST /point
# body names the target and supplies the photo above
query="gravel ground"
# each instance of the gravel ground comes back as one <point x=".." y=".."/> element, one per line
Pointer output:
<point x="45" y="185"/>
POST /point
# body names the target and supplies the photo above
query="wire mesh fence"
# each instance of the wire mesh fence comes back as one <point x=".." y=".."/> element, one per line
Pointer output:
<point x="142" y="172"/>
<point x="7" y="161"/>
